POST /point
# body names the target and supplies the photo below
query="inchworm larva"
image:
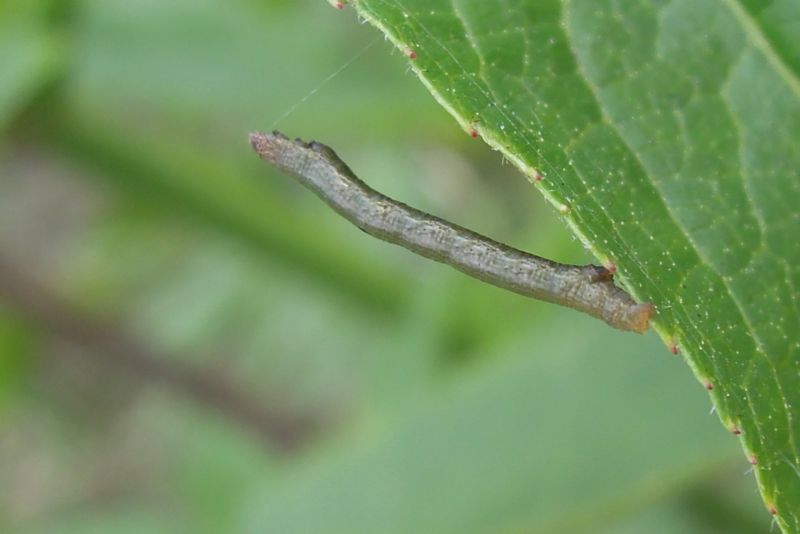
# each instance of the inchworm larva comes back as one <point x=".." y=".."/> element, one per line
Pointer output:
<point x="588" y="288"/>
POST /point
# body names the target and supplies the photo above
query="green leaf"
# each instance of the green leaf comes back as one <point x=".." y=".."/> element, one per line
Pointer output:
<point x="665" y="132"/>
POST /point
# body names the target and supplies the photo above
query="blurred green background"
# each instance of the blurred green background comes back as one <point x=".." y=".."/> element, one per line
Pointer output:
<point x="190" y="342"/>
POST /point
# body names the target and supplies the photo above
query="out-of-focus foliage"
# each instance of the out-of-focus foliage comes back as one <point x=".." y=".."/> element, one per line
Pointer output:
<point x="127" y="185"/>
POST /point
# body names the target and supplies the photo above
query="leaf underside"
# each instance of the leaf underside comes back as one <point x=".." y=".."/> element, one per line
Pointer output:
<point x="665" y="132"/>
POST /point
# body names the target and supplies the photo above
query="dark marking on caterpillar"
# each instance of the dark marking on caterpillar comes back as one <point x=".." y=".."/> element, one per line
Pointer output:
<point x="599" y="274"/>
<point x="587" y="288"/>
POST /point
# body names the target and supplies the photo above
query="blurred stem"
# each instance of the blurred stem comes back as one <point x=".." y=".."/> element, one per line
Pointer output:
<point x="183" y="177"/>
<point x="708" y="505"/>
<point x="608" y="513"/>
<point x="105" y="341"/>
<point x="224" y="195"/>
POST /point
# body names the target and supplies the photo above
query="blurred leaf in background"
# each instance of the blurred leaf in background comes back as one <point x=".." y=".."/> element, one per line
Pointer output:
<point x="191" y="307"/>
<point x="29" y="54"/>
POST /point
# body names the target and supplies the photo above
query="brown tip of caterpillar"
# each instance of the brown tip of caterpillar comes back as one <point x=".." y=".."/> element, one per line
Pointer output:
<point x="411" y="54"/>
<point x="639" y="319"/>
<point x="267" y="145"/>
<point x="274" y="146"/>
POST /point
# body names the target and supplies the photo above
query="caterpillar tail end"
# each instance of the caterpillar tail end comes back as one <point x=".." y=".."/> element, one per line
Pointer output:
<point x="638" y="320"/>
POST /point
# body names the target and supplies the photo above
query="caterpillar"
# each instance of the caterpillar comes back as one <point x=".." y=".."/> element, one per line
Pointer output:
<point x="587" y="288"/>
